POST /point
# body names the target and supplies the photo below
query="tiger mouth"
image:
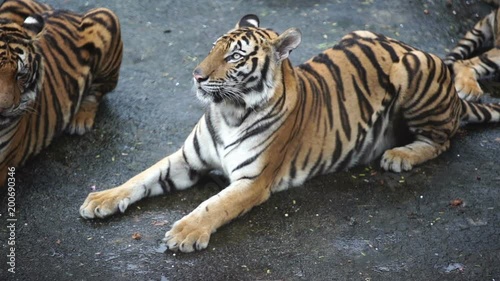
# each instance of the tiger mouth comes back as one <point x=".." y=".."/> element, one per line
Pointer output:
<point x="215" y="97"/>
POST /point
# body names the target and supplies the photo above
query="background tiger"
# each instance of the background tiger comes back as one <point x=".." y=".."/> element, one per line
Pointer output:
<point x="476" y="56"/>
<point x="269" y="126"/>
<point x="55" y="67"/>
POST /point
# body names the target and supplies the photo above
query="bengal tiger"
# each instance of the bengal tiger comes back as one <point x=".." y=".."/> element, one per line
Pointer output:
<point x="55" y="66"/>
<point x="468" y="67"/>
<point x="269" y="126"/>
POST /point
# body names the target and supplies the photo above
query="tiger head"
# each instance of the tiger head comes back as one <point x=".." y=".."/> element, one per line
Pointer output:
<point x="242" y="67"/>
<point x="20" y="68"/>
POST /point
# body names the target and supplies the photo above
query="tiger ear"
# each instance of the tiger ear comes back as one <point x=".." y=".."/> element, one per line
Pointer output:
<point x="34" y="24"/>
<point x="286" y="42"/>
<point x="248" y="21"/>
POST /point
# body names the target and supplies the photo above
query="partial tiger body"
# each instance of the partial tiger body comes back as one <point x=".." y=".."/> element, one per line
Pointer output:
<point x="66" y="62"/>
<point x="476" y="56"/>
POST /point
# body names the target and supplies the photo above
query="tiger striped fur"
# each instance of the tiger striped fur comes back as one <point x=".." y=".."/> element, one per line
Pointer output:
<point x="469" y="67"/>
<point x="55" y="66"/>
<point x="270" y="126"/>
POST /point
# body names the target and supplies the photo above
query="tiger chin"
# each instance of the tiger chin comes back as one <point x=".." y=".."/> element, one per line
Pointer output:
<point x="55" y="66"/>
<point x="269" y="126"/>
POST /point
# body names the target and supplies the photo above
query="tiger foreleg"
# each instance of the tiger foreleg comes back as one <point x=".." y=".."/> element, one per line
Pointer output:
<point x="193" y="231"/>
<point x="168" y="174"/>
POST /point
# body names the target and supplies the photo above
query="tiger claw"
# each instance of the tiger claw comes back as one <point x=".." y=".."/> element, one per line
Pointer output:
<point x="104" y="203"/>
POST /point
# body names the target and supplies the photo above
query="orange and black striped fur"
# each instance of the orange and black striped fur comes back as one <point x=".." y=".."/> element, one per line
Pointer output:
<point x="476" y="56"/>
<point x="269" y="126"/>
<point x="55" y="66"/>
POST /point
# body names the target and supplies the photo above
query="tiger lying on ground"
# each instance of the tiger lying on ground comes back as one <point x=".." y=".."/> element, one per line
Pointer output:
<point x="269" y="126"/>
<point x="469" y="67"/>
<point x="55" y="66"/>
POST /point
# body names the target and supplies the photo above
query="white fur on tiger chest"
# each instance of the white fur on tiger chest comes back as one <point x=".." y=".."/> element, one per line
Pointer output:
<point x="240" y="153"/>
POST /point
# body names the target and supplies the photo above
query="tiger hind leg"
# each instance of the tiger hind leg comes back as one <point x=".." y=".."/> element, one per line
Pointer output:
<point x="429" y="105"/>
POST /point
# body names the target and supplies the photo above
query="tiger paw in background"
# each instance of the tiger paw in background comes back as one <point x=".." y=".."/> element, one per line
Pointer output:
<point x="269" y="126"/>
<point x="468" y="67"/>
<point x="55" y="66"/>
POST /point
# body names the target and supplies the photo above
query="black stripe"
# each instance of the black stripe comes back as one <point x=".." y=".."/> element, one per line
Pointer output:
<point x="212" y="131"/>
<point x="111" y="25"/>
<point x="382" y="76"/>
<point x="360" y="138"/>
<point x="324" y="91"/>
<point x="163" y="185"/>
<point x="485" y="112"/>
<point x="263" y="72"/>
<point x="486" y="60"/>
<point x="28" y="142"/>
<point x="293" y="164"/>
<point x="363" y="103"/>
<point x="315" y="166"/>
<point x="337" y="152"/>
<point x="12" y="128"/>
<point x="147" y="191"/>
<point x="196" y="145"/>
<point x="345" y="162"/>
<point x="360" y="68"/>
<point x="253" y="132"/>
<point x="389" y="48"/>
<point x="247" y="162"/>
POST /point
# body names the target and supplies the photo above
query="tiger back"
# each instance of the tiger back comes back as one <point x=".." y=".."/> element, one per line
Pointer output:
<point x="269" y="125"/>
<point x="56" y="66"/>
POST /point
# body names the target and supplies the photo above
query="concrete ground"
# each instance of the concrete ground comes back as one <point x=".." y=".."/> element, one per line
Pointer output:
<point x="363" y="224"/>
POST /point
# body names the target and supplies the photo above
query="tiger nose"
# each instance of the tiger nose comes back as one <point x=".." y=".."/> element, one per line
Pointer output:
<point x="198" y="75"/>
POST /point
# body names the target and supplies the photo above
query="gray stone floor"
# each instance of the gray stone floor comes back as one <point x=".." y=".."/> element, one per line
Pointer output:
<point x="363" y="224"/>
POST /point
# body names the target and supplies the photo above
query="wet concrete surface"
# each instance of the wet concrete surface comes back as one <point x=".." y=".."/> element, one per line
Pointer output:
<point x="363" y="224"/>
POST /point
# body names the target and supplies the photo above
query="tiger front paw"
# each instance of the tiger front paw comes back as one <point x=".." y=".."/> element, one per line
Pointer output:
<point x="83" y="121"/>
<point x="105" y="203"/>
<point x="396" y="160"/>
<point x="466" y="83"/>
<point x="81" y="124"/>
<point x="188" y="234"/>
